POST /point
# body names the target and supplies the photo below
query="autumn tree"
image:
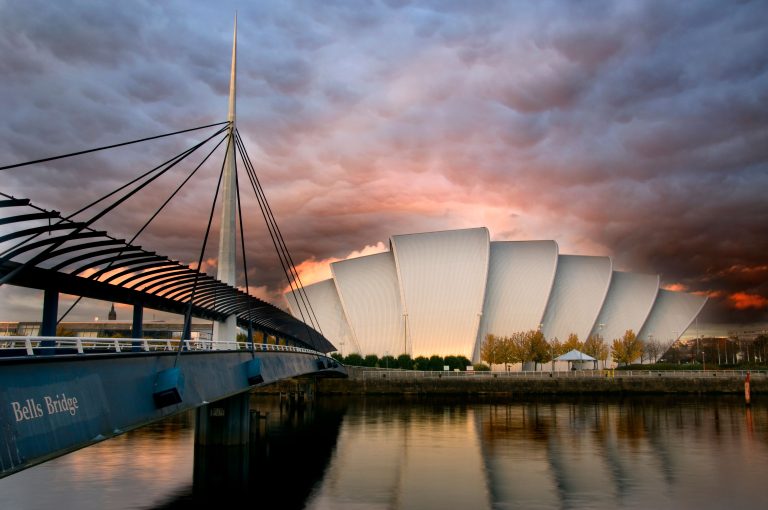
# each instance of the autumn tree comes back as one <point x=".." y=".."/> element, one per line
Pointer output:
<point x="534" y="347"/>
<point x="595" y="346"/>
<point x="508" y="351"/>
<point x="627" y="348"/>
<point x="489" y="350"/>
<point x="572" y="343"/>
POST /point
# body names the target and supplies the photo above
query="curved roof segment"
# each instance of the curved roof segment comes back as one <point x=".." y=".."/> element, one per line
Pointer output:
<point x="627" y="305"/>
<point x="326" y="306"/>
<point x="671" y="315"/>
<point x="580" y="287"/>
<point x="442" y="279"/>
<point x="520" y="276"/>
<point x="370" y="297"/>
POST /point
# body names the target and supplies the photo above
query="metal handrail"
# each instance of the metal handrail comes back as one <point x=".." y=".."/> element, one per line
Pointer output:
<point x="381" y="373"/>
<point x="87" y="345"/>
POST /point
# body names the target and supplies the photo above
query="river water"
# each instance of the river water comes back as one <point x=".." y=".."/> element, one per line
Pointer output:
<point x="376" y="453"/>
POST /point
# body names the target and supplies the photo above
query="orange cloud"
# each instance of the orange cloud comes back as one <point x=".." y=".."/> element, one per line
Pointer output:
<point x="712" y="294"/>
<point x="206" y="265"/>
<point x="313" y="271"/>
<point x="744" y="301"/>
<point x="675" y="287"/>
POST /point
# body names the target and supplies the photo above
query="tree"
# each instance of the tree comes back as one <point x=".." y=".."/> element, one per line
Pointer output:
<point x="489" y="350"/>
<point x="337" y="356"/>
<point x="572" y="343"/>
<point x="760" y="346"/>
<point x="506" y="351"/>
<point x="595" y="347"/>
<point x="463" y="362"/>
<point x="405" y="362"/>
<point x="452" y="362"/>
<point x="436" y="362"/>
<point x="653" y="349"/>
<point x="354" y="360"/>
<point x="388" y="361"/>
<point x="421" y="363"/>
<point x="534" y="347"/>
<point x="627" y="348"/>
<point x="370" y="360"/>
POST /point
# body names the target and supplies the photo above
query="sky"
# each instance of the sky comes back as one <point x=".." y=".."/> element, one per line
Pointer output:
<point x="633" y="129"/>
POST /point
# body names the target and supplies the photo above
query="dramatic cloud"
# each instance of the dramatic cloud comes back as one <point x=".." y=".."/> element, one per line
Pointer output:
<point x="635" y="129"/>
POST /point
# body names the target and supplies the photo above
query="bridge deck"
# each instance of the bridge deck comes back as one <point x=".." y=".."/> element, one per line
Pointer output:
<point x="93" y="389"/>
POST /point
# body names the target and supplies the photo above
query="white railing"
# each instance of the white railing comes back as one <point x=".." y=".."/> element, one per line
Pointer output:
<point x="380" y="373"/>
<point x="90" y="345"/>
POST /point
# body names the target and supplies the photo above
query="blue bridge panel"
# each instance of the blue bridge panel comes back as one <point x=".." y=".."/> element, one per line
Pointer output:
<point x="50" y="405"/>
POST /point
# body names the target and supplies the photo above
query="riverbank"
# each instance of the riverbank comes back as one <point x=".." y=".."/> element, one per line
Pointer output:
<point x="397" y="382"/>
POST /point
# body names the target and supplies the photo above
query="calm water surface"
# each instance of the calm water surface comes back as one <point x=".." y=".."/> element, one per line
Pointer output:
<point x="380" y="454"/>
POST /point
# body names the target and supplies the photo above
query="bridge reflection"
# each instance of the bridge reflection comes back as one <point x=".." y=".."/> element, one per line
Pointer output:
<point x="290" y="449"/>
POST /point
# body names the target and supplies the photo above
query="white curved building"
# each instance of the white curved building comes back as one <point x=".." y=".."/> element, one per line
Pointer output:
<point x="520" y="277"/>
<point x="443" y="292"/>
<point x="581" y="284"/>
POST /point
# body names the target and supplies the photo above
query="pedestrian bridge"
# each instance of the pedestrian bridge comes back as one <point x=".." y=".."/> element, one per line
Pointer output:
<point x="60" y="394"/>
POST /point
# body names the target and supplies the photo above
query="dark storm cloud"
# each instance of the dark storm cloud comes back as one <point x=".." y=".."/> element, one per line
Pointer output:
<point x="632" y="129"/>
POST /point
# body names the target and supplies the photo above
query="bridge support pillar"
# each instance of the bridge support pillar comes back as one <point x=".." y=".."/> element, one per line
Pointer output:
<point x="224" y="423"/>
<point x="50" y="315"/>
<point x="137" y="327"/>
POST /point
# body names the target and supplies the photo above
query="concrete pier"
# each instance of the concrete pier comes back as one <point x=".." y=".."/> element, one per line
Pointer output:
<point x="226" y="422"/>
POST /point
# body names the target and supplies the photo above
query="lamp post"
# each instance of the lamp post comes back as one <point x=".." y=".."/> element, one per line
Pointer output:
<point x="600" y="334"/>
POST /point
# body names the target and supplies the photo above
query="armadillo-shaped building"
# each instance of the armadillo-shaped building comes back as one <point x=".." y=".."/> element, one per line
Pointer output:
<point x="443" y="292"/>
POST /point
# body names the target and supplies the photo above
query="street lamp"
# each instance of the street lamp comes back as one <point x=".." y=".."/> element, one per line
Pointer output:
<point x="600" y="334"/>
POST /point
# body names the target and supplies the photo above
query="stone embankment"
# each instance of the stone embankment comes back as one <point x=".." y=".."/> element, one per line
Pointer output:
<point x="397" y="382"/>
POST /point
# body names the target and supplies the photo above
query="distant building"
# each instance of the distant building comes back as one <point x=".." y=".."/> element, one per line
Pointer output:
<point x="102" y="329"/>
<point x="112" y="315"/>
<point x="443" y="292"/>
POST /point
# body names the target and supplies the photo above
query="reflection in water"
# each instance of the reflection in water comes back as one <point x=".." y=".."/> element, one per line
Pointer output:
<point x="653" y="452"/>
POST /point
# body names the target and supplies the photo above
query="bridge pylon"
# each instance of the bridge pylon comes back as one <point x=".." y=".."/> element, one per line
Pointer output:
<point x="226" y="331"/>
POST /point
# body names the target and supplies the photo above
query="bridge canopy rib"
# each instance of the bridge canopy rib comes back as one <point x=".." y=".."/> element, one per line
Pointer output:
<point x="90" y="263"/>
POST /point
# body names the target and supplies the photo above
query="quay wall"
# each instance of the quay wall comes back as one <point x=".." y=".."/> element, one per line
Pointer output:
<point x="382" y="382"/>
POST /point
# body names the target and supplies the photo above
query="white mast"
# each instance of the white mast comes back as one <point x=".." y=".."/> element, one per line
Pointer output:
<point x="226" y="331"/>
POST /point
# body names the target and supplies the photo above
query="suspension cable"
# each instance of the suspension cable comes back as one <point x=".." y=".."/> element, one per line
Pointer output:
<point x="286" y="260"/>
<point x="281" y="240"/>
<point x="146" y="224"/>
<point x="8" y="167"/>
<point x="93" y="219"/>
<point x="188" y="314"/>
<point x="176" y="158"/>
<point x="249" y="302"/>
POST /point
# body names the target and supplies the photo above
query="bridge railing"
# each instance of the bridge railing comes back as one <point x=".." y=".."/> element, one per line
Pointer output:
<point x="32" y="345"/>
<point x="381" y="373"/>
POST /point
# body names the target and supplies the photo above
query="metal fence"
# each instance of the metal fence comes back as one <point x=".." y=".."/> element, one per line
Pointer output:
<point x="367" y="373"/>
